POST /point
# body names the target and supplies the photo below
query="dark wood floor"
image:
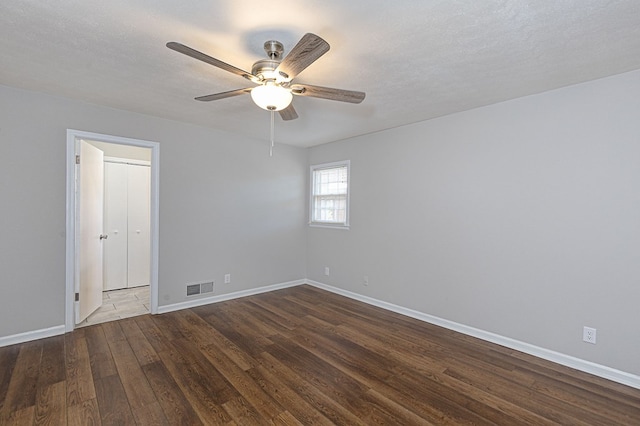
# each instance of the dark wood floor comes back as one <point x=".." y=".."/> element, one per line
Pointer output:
<point x="294" y="356"/>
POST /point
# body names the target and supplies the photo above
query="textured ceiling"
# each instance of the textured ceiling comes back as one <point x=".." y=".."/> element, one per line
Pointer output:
<point x="415" y="59"/>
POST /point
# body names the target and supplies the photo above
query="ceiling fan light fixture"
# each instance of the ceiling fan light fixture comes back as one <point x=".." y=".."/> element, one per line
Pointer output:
<point x="271" y="97"/>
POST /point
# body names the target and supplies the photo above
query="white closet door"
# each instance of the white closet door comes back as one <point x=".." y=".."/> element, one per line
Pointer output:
<point x="115" y="217"/>
<point x="139" y="253"/>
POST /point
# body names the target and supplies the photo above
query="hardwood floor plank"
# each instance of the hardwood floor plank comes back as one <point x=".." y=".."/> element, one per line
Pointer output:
<point x="21" y="417"/>
<point x="202" y="371"/>
<point x="243" y="413"/>
<point x="343" y="388"/>
<point x="143" y="350"/>
<point x="167" y="326"/>
<point x="541" y="404"/>
<point x="406" y="416"/>
<point x="133" y="380"/>
<point x="100" y="358"/>
<point x="21" y="392"/>
<point x="286" y="419"/>
<point x="84" y="413"/>
<point x="150" y="414"/>
<point x="203" y="332"/>
<point x="315" y="397"/>
<point x="112" y="402"/>
<point x="342" y="353"/>
<point x="286" y="308"/>
<point x="288" y="320"/>
<point x="112" y="331"/>
<point x="270" y="318"/>
<point x="153" y="334"/>
<point x="294" y="356"/>
<point x="287" y="397"/>
<point x="195" y="328"/>
<point x="78" y="370"/>
<point x="252" y="393"/>
<point x="587" y="385"/>
<point x="52" y="364"/>
<point x="8" y="358"/>
<point x="175" y="405"/>
<point x="459" y="406"/>
<point x="598" y="407"/>
<point x="400" y="398"/>
<point x="196" y="387"/>
<point x="241" y="334"/>
<point x="51" y="406"/>
<point x="243" y="312"/>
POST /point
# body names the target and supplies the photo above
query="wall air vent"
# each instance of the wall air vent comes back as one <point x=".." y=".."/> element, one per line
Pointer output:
<point x="206" y="287"/>
<point x="195" y="289"/>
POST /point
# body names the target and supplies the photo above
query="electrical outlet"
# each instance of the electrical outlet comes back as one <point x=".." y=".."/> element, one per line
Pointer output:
<point x="365" y="280"/>
<point x="227" y="278"/>
<point x="326" y="271"/>
<point x="589" y="335"/>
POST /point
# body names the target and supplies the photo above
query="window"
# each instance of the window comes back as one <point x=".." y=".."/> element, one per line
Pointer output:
<point x="330" y="194"/>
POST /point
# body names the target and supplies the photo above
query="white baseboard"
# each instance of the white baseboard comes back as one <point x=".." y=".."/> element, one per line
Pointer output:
<point x="229" y="296"/>
<point x="557" y="357"/>
<point x="32" y="335"/>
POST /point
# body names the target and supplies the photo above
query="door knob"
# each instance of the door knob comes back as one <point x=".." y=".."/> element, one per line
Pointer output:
<point x="103" y="237"/>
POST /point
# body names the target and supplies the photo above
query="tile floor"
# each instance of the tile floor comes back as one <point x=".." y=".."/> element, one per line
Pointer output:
<point x="118" y="304"/>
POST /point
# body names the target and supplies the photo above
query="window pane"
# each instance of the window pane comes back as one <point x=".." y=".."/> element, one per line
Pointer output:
<point x="330" y="208"/>
<point x="329" y="194"/>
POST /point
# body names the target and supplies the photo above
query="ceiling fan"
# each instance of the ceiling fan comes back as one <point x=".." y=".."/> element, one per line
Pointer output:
<point x="274" y="76"/>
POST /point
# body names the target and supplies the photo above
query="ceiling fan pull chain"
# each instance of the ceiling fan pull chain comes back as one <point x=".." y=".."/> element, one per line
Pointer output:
<point x="272" y="133"/>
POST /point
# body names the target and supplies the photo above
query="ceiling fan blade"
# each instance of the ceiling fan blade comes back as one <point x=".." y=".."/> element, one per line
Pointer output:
<point x="308" y="50"/>
<point x="328" y="93"/>
<point x="289" y="113"/>
<point x="223" y="95"/>
<point x="186" y="50"/>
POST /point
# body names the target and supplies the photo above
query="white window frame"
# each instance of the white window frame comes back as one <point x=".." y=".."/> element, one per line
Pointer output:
<point x="332" y="165"/>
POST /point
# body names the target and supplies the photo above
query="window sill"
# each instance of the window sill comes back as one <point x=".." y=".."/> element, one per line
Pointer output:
<point x="328" y="225"/>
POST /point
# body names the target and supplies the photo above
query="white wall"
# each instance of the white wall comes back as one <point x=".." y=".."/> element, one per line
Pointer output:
<point x="225" y="206"/>
<point x="521" y="219"/>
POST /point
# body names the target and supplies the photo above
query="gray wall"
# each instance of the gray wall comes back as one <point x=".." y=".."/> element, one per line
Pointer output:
<point x="225" y="206"/>
<point x="521" y="219"/>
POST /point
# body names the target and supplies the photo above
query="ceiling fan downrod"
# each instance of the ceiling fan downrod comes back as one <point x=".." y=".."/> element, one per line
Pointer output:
<point x="274" y="49"/>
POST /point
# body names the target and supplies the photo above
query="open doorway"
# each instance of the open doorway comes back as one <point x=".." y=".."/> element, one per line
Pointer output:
<point x="112" y="228"/>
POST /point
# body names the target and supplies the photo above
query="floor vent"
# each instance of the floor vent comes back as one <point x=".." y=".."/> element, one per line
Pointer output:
<point x="195" y="289"/>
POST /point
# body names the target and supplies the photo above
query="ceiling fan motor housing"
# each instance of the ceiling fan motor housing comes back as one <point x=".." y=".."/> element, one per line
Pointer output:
<point x="265" y="69"/>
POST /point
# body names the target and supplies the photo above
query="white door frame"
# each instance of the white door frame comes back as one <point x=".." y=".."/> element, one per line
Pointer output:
<point x="72" y="136"/>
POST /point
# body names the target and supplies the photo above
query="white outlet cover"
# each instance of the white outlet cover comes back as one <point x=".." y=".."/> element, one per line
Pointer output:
<point x="589" y="335"/>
